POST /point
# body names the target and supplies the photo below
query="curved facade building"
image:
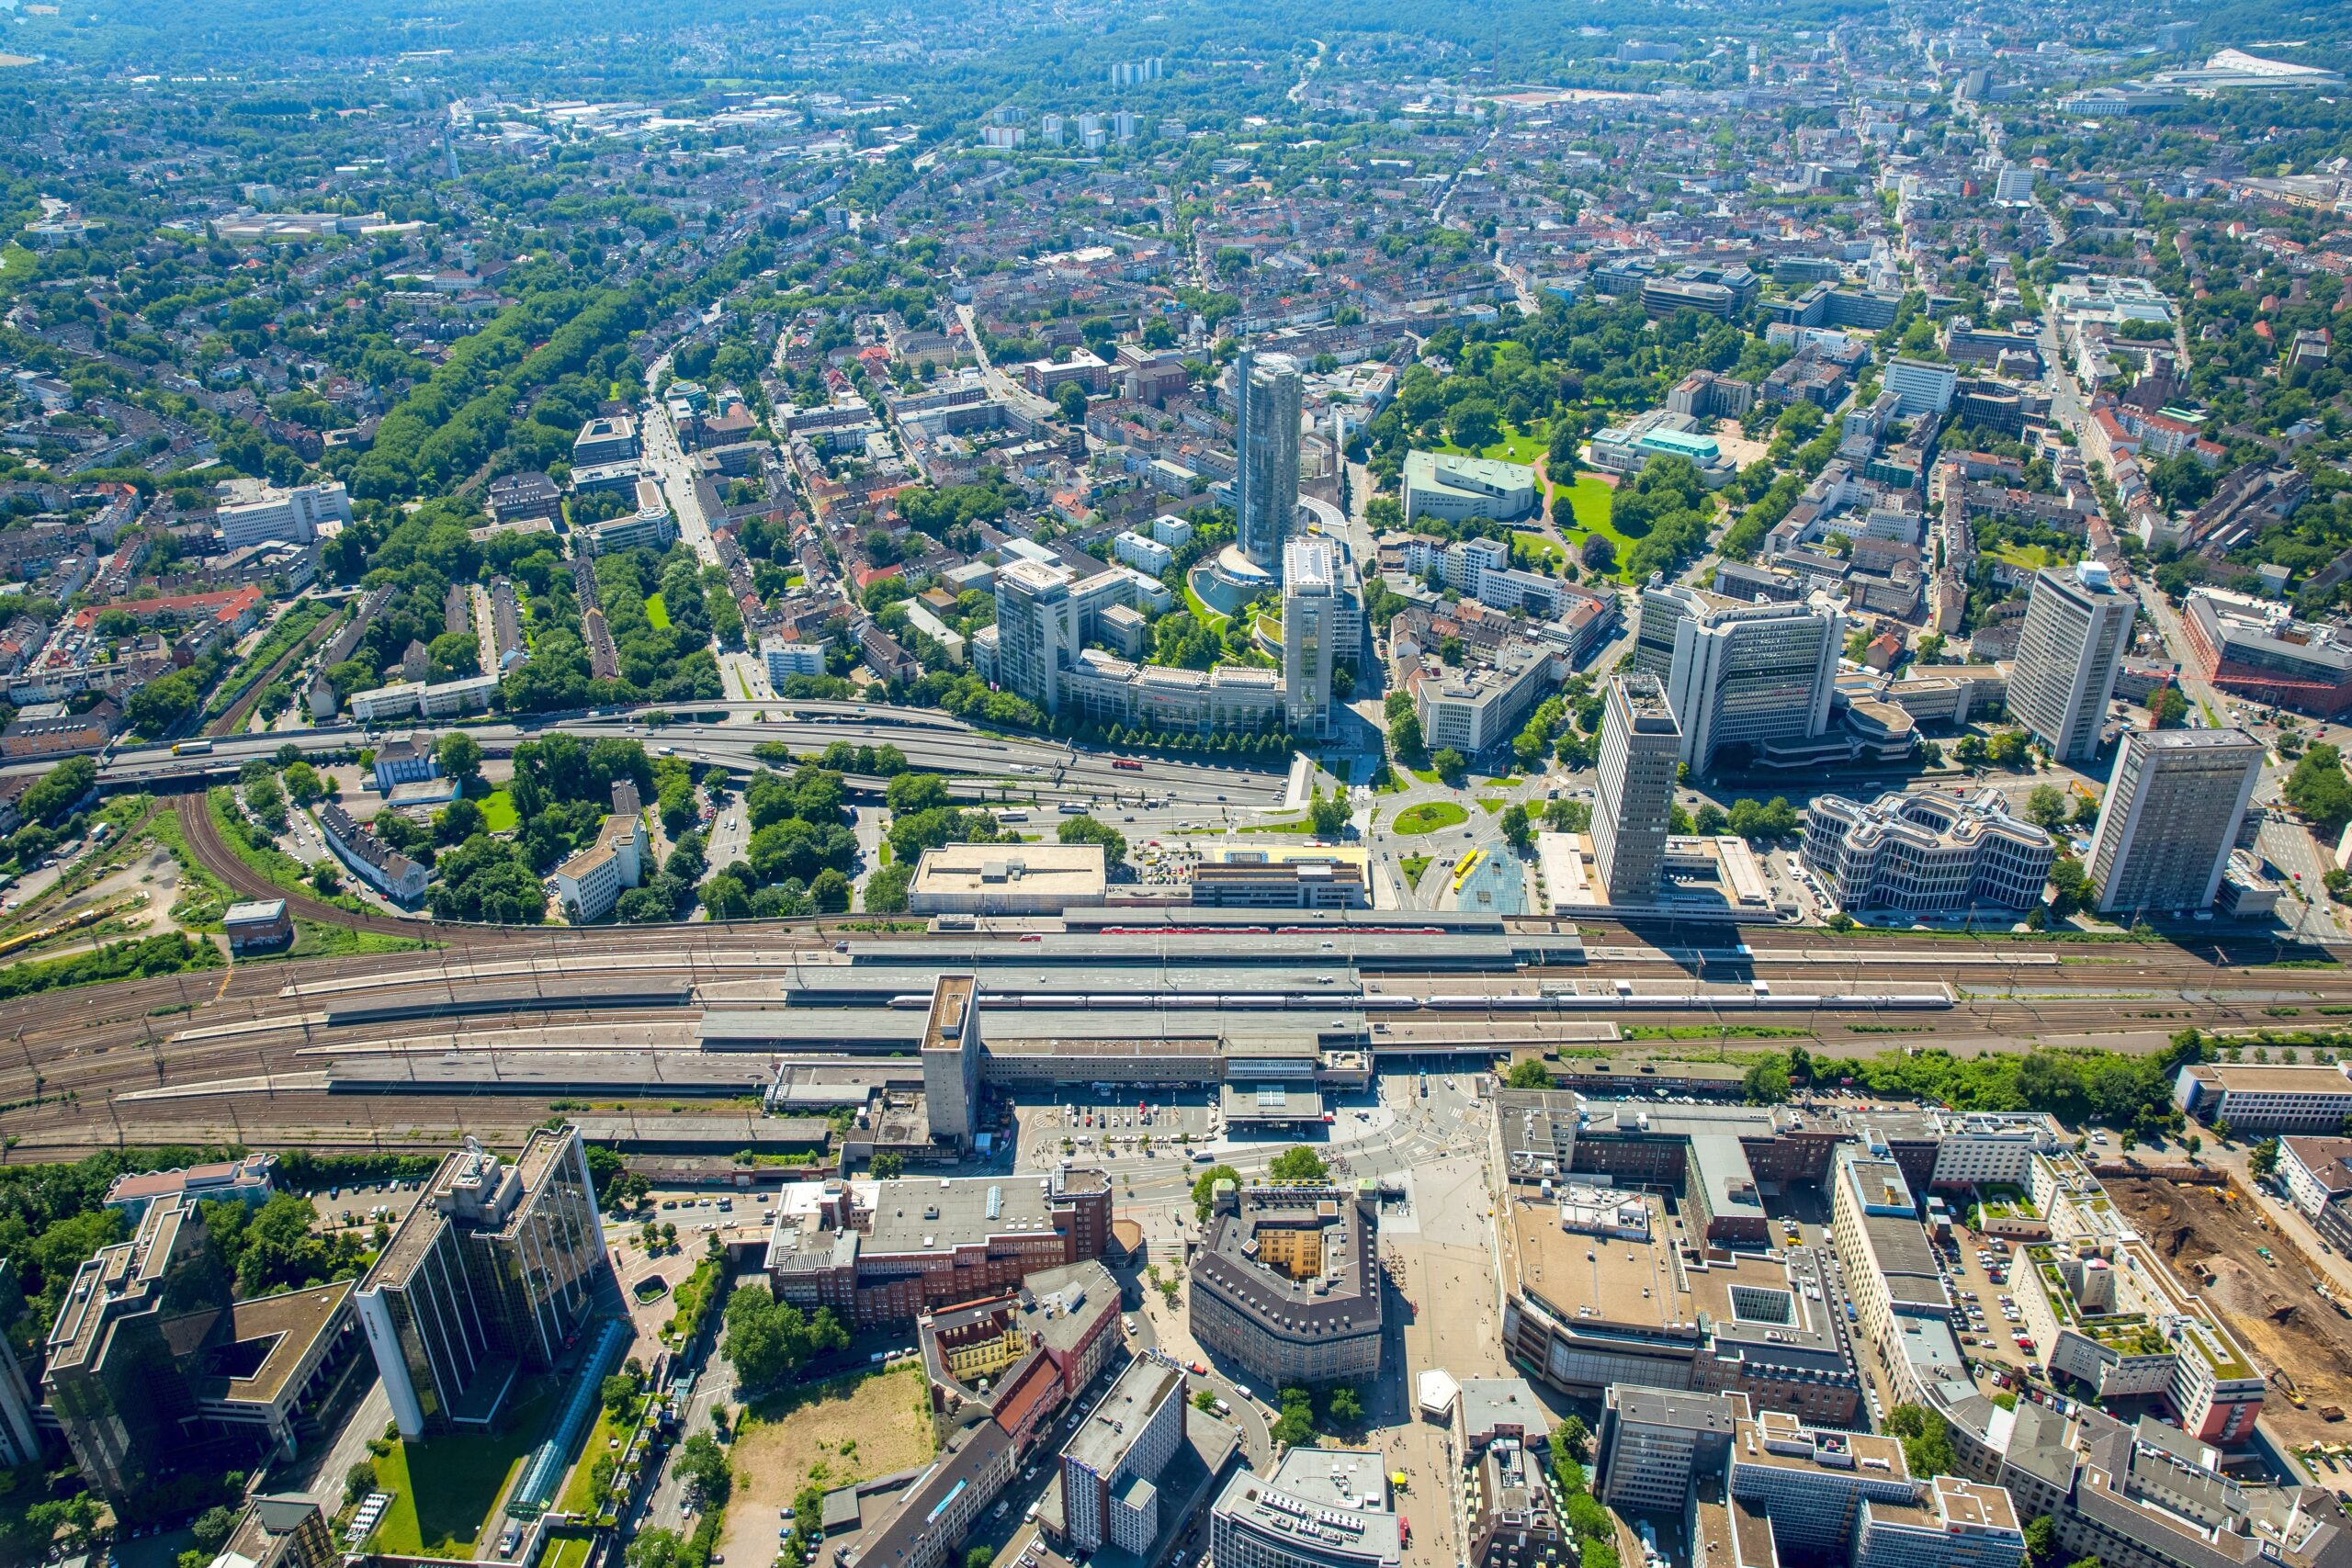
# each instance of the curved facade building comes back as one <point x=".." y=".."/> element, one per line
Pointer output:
<point x="1287" y="1285"/>
<point x="1925" y="853"/>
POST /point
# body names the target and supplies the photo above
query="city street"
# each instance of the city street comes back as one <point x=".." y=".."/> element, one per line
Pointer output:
<point x="745" y="676"/>
<point x="667" y="1508"/>
<point x="676" y="471"/>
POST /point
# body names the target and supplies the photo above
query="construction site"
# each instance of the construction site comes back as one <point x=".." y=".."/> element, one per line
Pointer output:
<point x="2275" y="1301"/>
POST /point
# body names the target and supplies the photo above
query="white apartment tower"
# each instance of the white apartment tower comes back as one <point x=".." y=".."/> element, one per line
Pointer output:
<point x="2172" y="816"/>
<point x="1738" y="673"/>
<point x="2077" y="625"/>
<point x="1265" y="427"/>
<point x="1314" y="596"/>
<point x="1038" y="634"/>
<point x="1640" y="747"/>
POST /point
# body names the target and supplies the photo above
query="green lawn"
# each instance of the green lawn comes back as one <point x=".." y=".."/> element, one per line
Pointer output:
<point x="1431" y="816"/>
<point x="1542" y="546"/>
<point x="1589" y="501"/>
<point x="657" y="611"/>
<point x="313" y="938"/>
<point x="1413" y="867"/>
<point x="1491" y="804"/>
<point x="443" y="1490"/>
<point x="2026" y="558"/>
<point x="579" y="1491"/>
<point x="1587" y="512"/>
<point x="498" y="812"/>
<point x="1516" y="446"/>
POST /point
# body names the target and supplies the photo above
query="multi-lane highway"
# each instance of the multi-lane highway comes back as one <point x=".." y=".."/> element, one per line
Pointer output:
<point x="982" y="763"/>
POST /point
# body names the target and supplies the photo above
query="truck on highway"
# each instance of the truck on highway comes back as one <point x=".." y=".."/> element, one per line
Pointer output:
<point x="192" y="749"/>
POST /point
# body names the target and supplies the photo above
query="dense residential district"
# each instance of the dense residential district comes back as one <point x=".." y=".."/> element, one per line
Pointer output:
<point x="1105" y="785"/>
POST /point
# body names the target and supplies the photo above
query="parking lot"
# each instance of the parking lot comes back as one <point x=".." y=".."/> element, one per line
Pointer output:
<point x="699" y="1214"/>
<point x="1088" y="1122"/>
<point x="359" y="1207"/>
<point x="1979" y="1282"/>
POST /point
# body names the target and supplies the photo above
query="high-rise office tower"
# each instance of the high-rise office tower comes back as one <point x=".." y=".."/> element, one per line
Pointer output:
<point x="2077" y="625"/>
<point x="1739" y="674"/>
<point x="497" y="1269"/>
<point x="2172" y="816"/>
<point x="1112" y="1463"/>
<point x="1314" y="599"/>
<point x="154" y="1369"/>
<point x="1038" y="630"/>
<point x="1265" y="428"/>
<point x="114" y="1380"/>
<point x="1640" y="746"/>
<point x="19" y="1438"/>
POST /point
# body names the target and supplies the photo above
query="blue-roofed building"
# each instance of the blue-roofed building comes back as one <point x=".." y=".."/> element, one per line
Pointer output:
<point x="1629" y="448"/>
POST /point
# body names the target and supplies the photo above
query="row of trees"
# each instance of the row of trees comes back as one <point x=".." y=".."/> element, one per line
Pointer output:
<point x="462" y="414"/>
<point x="1257" y="743"/>
<point x="55" y="807"/>
<point x="2075" y="1084"/>
<point x="1589" y="1523"/>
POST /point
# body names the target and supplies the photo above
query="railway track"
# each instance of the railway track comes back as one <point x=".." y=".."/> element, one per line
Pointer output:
<point x="67" y="1061"/>
<point x="204" y="841"/>
<point x="234" y="720"/>
<point x="64" y="1078"/>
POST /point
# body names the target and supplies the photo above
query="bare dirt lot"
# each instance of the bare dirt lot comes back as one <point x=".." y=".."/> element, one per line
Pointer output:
<point x="844" y="1431"/>
<point x="2282" y="1321"/>
<point x="117" y="893"/>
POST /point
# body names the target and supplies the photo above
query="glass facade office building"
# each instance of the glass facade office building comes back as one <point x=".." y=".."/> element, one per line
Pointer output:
<point x="496" y="1269"/>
